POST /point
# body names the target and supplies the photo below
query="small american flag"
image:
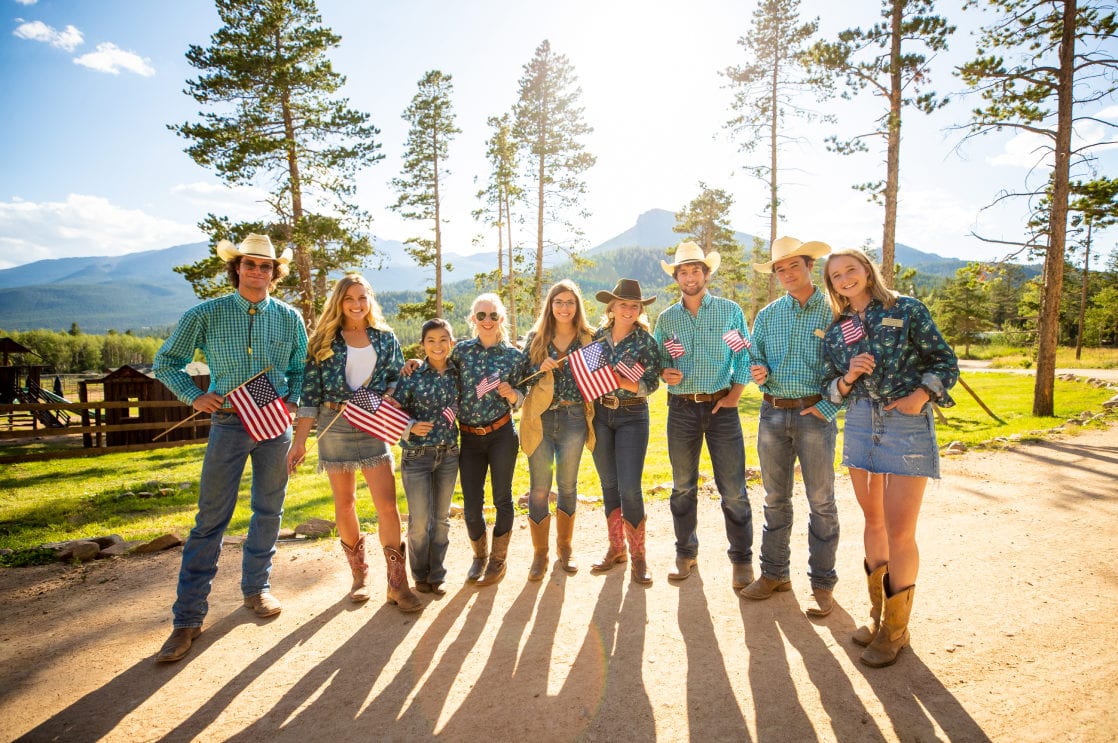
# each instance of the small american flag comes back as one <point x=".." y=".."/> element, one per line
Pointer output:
<point x="487" y="385"/>
<point x="674" y="347"/>
<point x="450" y="412"/>
<point x="736" y="341"/>
<point x="260" y="408"/>
<point x="591" y="371"/>
<point x="852" y="331"/>
<point x="630" y="368"/>
<point x="367" y="411"/>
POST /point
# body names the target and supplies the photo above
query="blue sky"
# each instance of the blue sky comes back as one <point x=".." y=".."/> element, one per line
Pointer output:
<point x="89" y="167"/>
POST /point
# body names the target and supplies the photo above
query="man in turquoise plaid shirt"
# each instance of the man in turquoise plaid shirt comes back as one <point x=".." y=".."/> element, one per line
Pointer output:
<point x="795" y="423"/>
<point x="704" y="347"/>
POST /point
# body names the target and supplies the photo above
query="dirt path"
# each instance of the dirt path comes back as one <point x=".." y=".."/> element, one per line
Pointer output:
<point x="1011" y="630"/>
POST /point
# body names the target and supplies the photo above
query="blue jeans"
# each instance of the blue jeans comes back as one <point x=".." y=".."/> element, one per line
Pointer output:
<point x="227" y="451"/>
<point x="494" y="453"/>
<point x="688" y="424"/>
<point x="783" y="436"/>
<point x="564" y="435"/>
<point x="621" y="442"/>
<point x="429" y="474"/>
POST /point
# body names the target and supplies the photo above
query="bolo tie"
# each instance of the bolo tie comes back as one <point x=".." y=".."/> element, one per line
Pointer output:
<point x="251" y="318"/>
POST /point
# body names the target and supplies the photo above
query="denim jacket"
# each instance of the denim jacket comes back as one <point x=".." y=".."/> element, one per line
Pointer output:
<point x="324" y="381"/>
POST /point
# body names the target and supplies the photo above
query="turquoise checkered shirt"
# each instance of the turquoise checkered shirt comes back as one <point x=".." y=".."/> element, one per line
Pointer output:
<point x="708" y="364"/>
<point x="788" y="341"/>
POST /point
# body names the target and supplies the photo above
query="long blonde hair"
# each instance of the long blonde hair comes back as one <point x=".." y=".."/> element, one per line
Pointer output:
<point x="544" y="328"/>
<point x="876" y="284"/>
<point x="493" y="299"/>
<point x="607" y="316"/>
<point x="318" y="346"/>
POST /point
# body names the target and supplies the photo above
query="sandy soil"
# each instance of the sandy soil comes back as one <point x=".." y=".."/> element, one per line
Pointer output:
<point x="1014" y="614"/>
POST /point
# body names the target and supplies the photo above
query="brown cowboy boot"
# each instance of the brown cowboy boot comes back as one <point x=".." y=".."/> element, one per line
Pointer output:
<point x="893" y="633"/>
<point x="615" y="553"/>
<point x="399" y="593"/>
<point x="541" y="534"/>
<point x="359" y="591"/>
<point x="564" y="533"/>
<point x="864" y="635"/>
<point x="481" y="554"/>
<point x="495" y="569"/>
<point x="638" y="567"/>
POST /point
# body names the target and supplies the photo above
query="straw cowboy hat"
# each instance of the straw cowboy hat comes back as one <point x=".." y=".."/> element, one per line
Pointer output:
<point x="787" y="247"/>
<point x="689" y="252"/>
<point x="627" y="290"/>
<point x="256" y="246"/>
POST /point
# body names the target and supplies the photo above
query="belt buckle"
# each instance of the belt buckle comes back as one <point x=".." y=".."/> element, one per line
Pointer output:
<point x="610" y="402"/>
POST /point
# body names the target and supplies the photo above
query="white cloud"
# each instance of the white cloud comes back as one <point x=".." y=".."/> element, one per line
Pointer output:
<point x="237" y="202"/>
<point x="112" y="59"/>
<point x="69" y="38"/>
<point x="82" y="225"/>
<point x="27" y="2"/>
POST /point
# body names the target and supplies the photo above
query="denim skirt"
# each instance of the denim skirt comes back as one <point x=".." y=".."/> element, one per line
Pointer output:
<point x="344" y="448"/>
<point x="889" y="442"/>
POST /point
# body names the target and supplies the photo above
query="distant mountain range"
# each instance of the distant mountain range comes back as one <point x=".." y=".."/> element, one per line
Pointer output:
<point x="140" y="291"/>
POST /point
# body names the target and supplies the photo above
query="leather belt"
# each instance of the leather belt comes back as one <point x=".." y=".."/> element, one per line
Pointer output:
<point x="488" y="428"/>
<point x="565" y="404"/>
<point x="333" y="405"/>
<point x="613" y="402"/>
<point x="702" y="396"/>
<point x="798" y="403"/>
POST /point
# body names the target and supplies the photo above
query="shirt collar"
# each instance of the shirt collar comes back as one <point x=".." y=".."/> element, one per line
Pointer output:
<point x="246" y="305"/>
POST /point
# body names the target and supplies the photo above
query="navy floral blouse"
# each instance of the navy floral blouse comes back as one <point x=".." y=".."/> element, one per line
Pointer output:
<point x="565" y="388"/>
<point x="637" y="347"/>
<point x="909" y="350"/>
<point x="475" y="363"/>
<point x="425" y="395"/>
<point x="324" y="381"/>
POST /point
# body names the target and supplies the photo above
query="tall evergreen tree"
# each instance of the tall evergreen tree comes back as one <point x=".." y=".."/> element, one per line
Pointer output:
<point x="1037" y="63"/>
<point x="1094" y="206"/>
<point x="962" y="308"/>
<point x="272" y="117"/>
<point x="769" y="87"/>
<point x="431" y="115"/>
<point x="882" y="60"/>
<point x="706" y="221"/>
<point x="547" y="125"/>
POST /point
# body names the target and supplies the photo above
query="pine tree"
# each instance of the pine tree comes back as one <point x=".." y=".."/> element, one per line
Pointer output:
<point x="706" y="221"/>
<point x="547" y="125"/>
<point x="431" y="115"/>
<point x="882" y="60"/>
<point x="1094" y="206"/>
<point x="271" y="117"/>
<point x="962" y="309"/>
<point x="1036" y="64"/>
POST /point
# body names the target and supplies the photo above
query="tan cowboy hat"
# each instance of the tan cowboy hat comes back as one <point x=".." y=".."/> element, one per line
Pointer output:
<point x="257" y="246"/>
<point x="627" y="290"/>
<point x="689" y="252"/>
<point x="787" y="247"/>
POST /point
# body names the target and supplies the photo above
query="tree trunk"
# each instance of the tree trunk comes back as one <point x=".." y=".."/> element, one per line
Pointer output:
<point x="893" y="149"/>
<point x="1083" y="294"/>
<point x="438" y="223"/>
<point x="302" y="252"/>
<point x="512" y="284"/>
<point x="539" y="234"/>
<point x="1048" y="322"/>
<point x="772" y="168"/>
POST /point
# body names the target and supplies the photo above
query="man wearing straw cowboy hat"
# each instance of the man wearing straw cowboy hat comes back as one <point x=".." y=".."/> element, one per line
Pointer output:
<point x="795" y="423"/>
<point x="704" y="346"/>
<point x="241" y="334"/>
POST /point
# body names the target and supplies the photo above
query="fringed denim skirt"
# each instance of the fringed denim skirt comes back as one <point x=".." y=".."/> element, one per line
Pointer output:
<point x="344" y="448"/>
<point x="889" y="442"/>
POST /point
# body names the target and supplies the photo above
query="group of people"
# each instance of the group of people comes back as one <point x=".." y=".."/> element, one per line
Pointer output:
<point x="853" y="345"/>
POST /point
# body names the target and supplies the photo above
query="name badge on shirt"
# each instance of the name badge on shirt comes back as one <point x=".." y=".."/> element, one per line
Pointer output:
<point x="819" y="333"/>
<point x="892" y="322"/>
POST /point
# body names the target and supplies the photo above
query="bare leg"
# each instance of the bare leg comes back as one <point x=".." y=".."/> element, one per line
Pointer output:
<point x="382" y="487"/>
<point x="869" y="490"/>
<point x="344" y="486"/>
<point x="903" y="496"/>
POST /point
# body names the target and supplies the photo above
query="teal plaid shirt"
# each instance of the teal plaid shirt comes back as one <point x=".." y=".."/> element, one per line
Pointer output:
<point x="239" y="340"/>
<point x="788" y="341"/>
<point x="707" y="364"/>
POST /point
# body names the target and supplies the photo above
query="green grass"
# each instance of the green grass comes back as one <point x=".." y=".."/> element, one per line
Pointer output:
<point x="1010" y="357"/>
<point x="73" y="498"/>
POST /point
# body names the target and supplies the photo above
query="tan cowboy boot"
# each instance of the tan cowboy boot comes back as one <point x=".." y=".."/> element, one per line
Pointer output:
<point x="541" y="534"/>
<point x="495" y="569"/>
<point x="638" y="567"/>
<point x="893" y="633"/>
<point x="615" y="553"/>
<point x="399" y="593"/>
<point x="564" y="534"/>
<point x="359" y="591"/>
<point x="481" y="554"/>
<point x="864" y="635"/>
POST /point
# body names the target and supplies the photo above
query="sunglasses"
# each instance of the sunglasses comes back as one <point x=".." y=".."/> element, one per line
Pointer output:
<point x="491" y="315"/>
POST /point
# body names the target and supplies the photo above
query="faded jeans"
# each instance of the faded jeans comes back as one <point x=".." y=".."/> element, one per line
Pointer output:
<point x="564" y="435"/>
<point x="783" y="436"/>
<point x="688" y="424"/>
<point x="428" y="474"/>
<point x="228" y="450"/>
<point x="620" y="445"/>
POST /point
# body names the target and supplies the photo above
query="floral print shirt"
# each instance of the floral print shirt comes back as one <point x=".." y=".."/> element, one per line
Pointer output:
<point x="475" y="363"/>
<point x="425" y="395"/>
<point x="324" y="381"/>
<point x="637" y="347"/>
<point x="565" y="388"/>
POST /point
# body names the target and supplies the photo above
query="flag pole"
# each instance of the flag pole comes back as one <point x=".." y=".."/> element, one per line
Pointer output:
<point x="197" y="413"/>
<point x="541" y="371"/>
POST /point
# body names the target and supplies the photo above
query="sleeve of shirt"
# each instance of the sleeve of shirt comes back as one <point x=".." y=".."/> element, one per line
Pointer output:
<point x="658" y="337"/>
<point x="831" y="372"/>
<point x="759" y="325"/>
<point x="176" y="352"/>
<point x="743" y="358"/>
<point x="310" y="397"/>
<point x="296" y="365"/>
<point x="828" y="408"/>
<point x="941" y="366"/>
<point x="395" y="361"/>
<point x="522" y="369"/>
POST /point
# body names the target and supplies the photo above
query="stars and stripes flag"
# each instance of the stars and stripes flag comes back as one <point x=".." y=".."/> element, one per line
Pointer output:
<point x="736" y="341"/>
<point x="450" y="412"/>
<point x="630" y="368"/>
<point x="673" y="347"/>
<point x="487" y="385"/>
<point x="591" y="371"/>
<point x="852" y="331"/>
<point x="260" y="408"/>
<point x="367" y="411"/>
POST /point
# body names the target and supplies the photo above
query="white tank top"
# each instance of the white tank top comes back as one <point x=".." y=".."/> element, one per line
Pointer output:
<point x="359" y="364"/>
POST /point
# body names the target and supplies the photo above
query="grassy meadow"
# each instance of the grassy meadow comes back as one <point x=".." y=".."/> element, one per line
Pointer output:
<point x="72" y="498"/>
